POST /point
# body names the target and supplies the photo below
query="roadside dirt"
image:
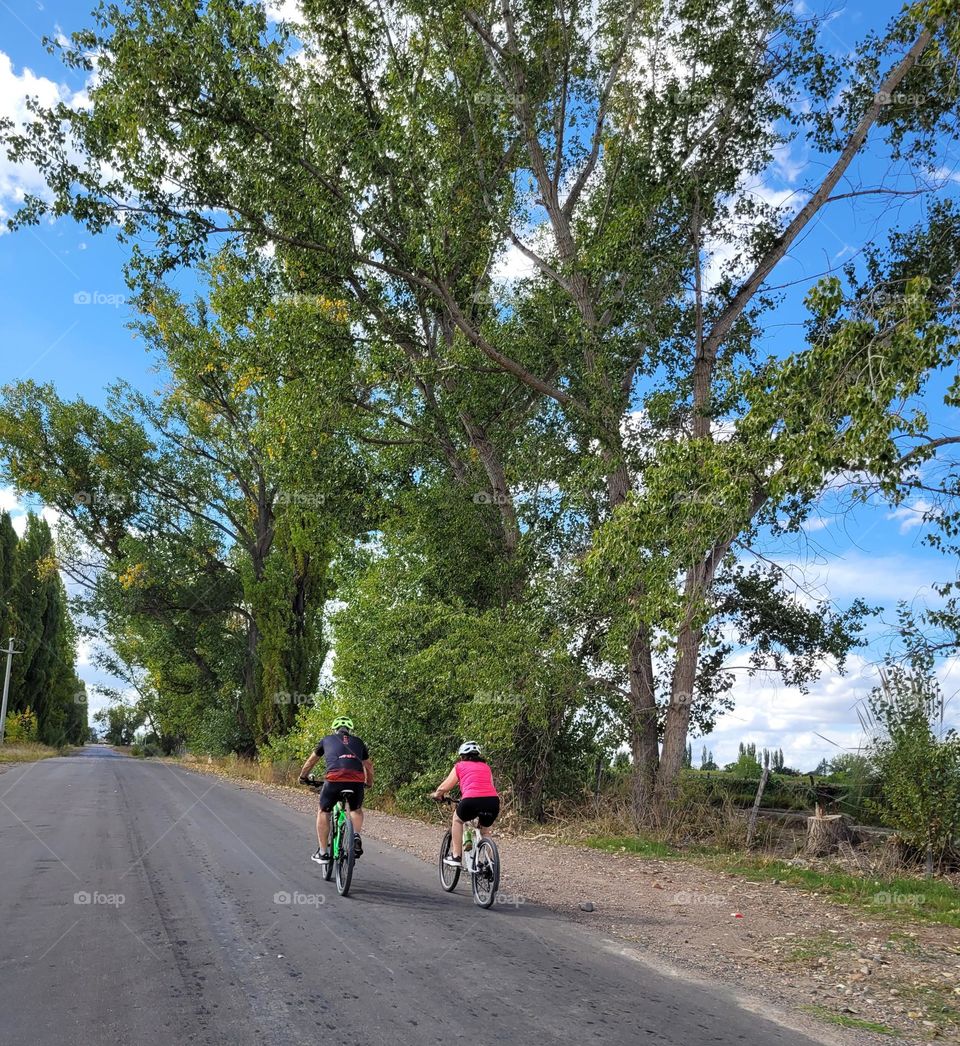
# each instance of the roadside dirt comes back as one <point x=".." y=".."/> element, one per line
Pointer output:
<point x="854" y="977"/>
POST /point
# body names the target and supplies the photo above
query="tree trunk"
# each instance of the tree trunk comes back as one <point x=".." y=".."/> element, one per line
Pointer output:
<point x="678" y="714"/>
<point x="643" y="726"/>
<point x="826" y="833"/>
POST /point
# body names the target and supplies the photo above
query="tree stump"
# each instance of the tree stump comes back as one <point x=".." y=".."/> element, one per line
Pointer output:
<point x="825" y="833"/>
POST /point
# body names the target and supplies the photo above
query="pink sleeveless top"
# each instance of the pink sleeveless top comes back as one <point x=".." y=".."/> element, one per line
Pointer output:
<point x="476" y="780"/>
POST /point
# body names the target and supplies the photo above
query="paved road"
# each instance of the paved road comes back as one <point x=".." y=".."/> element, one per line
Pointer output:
<point x="202" y="947"/>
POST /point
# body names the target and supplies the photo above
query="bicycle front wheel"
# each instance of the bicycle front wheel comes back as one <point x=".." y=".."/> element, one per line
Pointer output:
<point x="449" y="876"/>
<point x="486" y="875"/>
<point x="346" y="858"/>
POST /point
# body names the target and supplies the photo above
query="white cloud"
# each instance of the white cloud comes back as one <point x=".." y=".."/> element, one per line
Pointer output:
<point x="911" y="514"/>
<point x="15" y="89"/>
<point x="788" y="166"/>
<point x="809" y="727"/>
<point x="815" y="523"/>
<point x="284" y="10"/>
<point x="86" y="649"/>
<point x="512" y="265"/>
<point x="18" y="509"/>
<point x="727" y="256"/>
<point x="882" y="579"/>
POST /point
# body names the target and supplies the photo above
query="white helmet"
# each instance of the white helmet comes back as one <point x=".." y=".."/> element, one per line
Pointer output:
<point x="469" y="748"/>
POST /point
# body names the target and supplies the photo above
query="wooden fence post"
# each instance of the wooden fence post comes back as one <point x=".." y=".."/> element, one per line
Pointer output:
<point x="764" y="777"/>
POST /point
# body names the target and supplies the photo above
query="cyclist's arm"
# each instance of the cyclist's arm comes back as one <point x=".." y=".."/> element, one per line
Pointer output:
<point x="308" y="765"/>
<point x="368" y="770"/>
<point x="448" y="784"/>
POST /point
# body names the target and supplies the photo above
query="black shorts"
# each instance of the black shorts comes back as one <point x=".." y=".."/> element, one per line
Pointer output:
<point x="485" y="808"/>
<point x="331" y="790"/>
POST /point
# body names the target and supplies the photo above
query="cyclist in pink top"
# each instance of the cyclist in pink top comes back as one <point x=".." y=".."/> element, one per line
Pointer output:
<point x="478" y="796"/>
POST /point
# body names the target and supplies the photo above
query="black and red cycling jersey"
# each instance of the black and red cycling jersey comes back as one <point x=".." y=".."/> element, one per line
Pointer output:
<point x="343" y="754"/>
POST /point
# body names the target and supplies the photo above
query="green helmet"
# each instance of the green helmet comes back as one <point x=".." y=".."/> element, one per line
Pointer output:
<point x="342" y="722"/>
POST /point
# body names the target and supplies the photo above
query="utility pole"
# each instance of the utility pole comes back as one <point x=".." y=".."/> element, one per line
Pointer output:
<point x="6" y="686"/>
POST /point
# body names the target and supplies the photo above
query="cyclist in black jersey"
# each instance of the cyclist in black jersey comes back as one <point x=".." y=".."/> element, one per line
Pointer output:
<point x="347" y="766"/>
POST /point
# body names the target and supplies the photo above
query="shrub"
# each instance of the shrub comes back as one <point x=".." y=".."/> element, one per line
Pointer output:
<point x="919" y="769"/>
<point x="747" y="766"/>
<point x="21" y="727"/>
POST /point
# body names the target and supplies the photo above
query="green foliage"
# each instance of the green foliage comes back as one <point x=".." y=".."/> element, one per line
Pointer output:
<point x="43" y="684"/>
<point x="211" y="524"/>
<point x="549" y="523"/>
<point x="918" y="762"/>
<point x="422" y="675"/>
<point x="747" y="765"/>
<point x="21" y="726"/>
<point x="119" y="722"/>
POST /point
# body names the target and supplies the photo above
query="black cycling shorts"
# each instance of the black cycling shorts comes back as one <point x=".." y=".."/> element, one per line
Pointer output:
<point x="331" y="790"/>
<point x="485" y="808"/>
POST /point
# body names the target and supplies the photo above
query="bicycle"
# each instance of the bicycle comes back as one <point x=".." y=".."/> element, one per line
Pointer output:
<point x="341" y="844"/>
<point x="480" y="859"/>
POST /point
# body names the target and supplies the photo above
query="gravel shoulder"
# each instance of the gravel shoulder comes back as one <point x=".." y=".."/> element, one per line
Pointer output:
<point x="844" y="975"/>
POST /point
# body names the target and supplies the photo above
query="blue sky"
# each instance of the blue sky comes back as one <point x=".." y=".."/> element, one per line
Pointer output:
<point x="63" y="319"/>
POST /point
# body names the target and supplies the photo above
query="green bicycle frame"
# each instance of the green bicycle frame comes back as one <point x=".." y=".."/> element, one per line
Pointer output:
<point x="339" y="817"/>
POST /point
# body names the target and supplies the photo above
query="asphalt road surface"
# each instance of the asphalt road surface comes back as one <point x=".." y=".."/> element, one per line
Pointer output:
<point x="140" y="903"/>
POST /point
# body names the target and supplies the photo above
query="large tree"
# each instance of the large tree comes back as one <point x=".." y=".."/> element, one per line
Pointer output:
<point x="43" y="676"/>
<point x="391" y="153"/>
<point x="202" y="549"/>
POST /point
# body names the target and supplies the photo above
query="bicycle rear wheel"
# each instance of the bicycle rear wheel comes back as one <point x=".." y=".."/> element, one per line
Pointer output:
<point x="486" y="875"/>
<point x="346" y="858"/>
<point x="449" y="876"/>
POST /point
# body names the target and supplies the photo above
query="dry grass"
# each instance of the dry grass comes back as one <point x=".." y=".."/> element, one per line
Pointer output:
<point x="245" y="769"/>
<point x="27" y="752"/>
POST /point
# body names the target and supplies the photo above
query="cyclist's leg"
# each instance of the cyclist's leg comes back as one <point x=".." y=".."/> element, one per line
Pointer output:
<point x="323" y="828"/>
<point x="356" y="814"/>
<point x="456" y="837"/>
<point x="324" y="806"/>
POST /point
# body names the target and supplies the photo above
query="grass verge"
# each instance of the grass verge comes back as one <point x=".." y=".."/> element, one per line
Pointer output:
<point x="25" y="752"/>
<point x="844" y="1020"/>
<point x="903" y="898"/>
